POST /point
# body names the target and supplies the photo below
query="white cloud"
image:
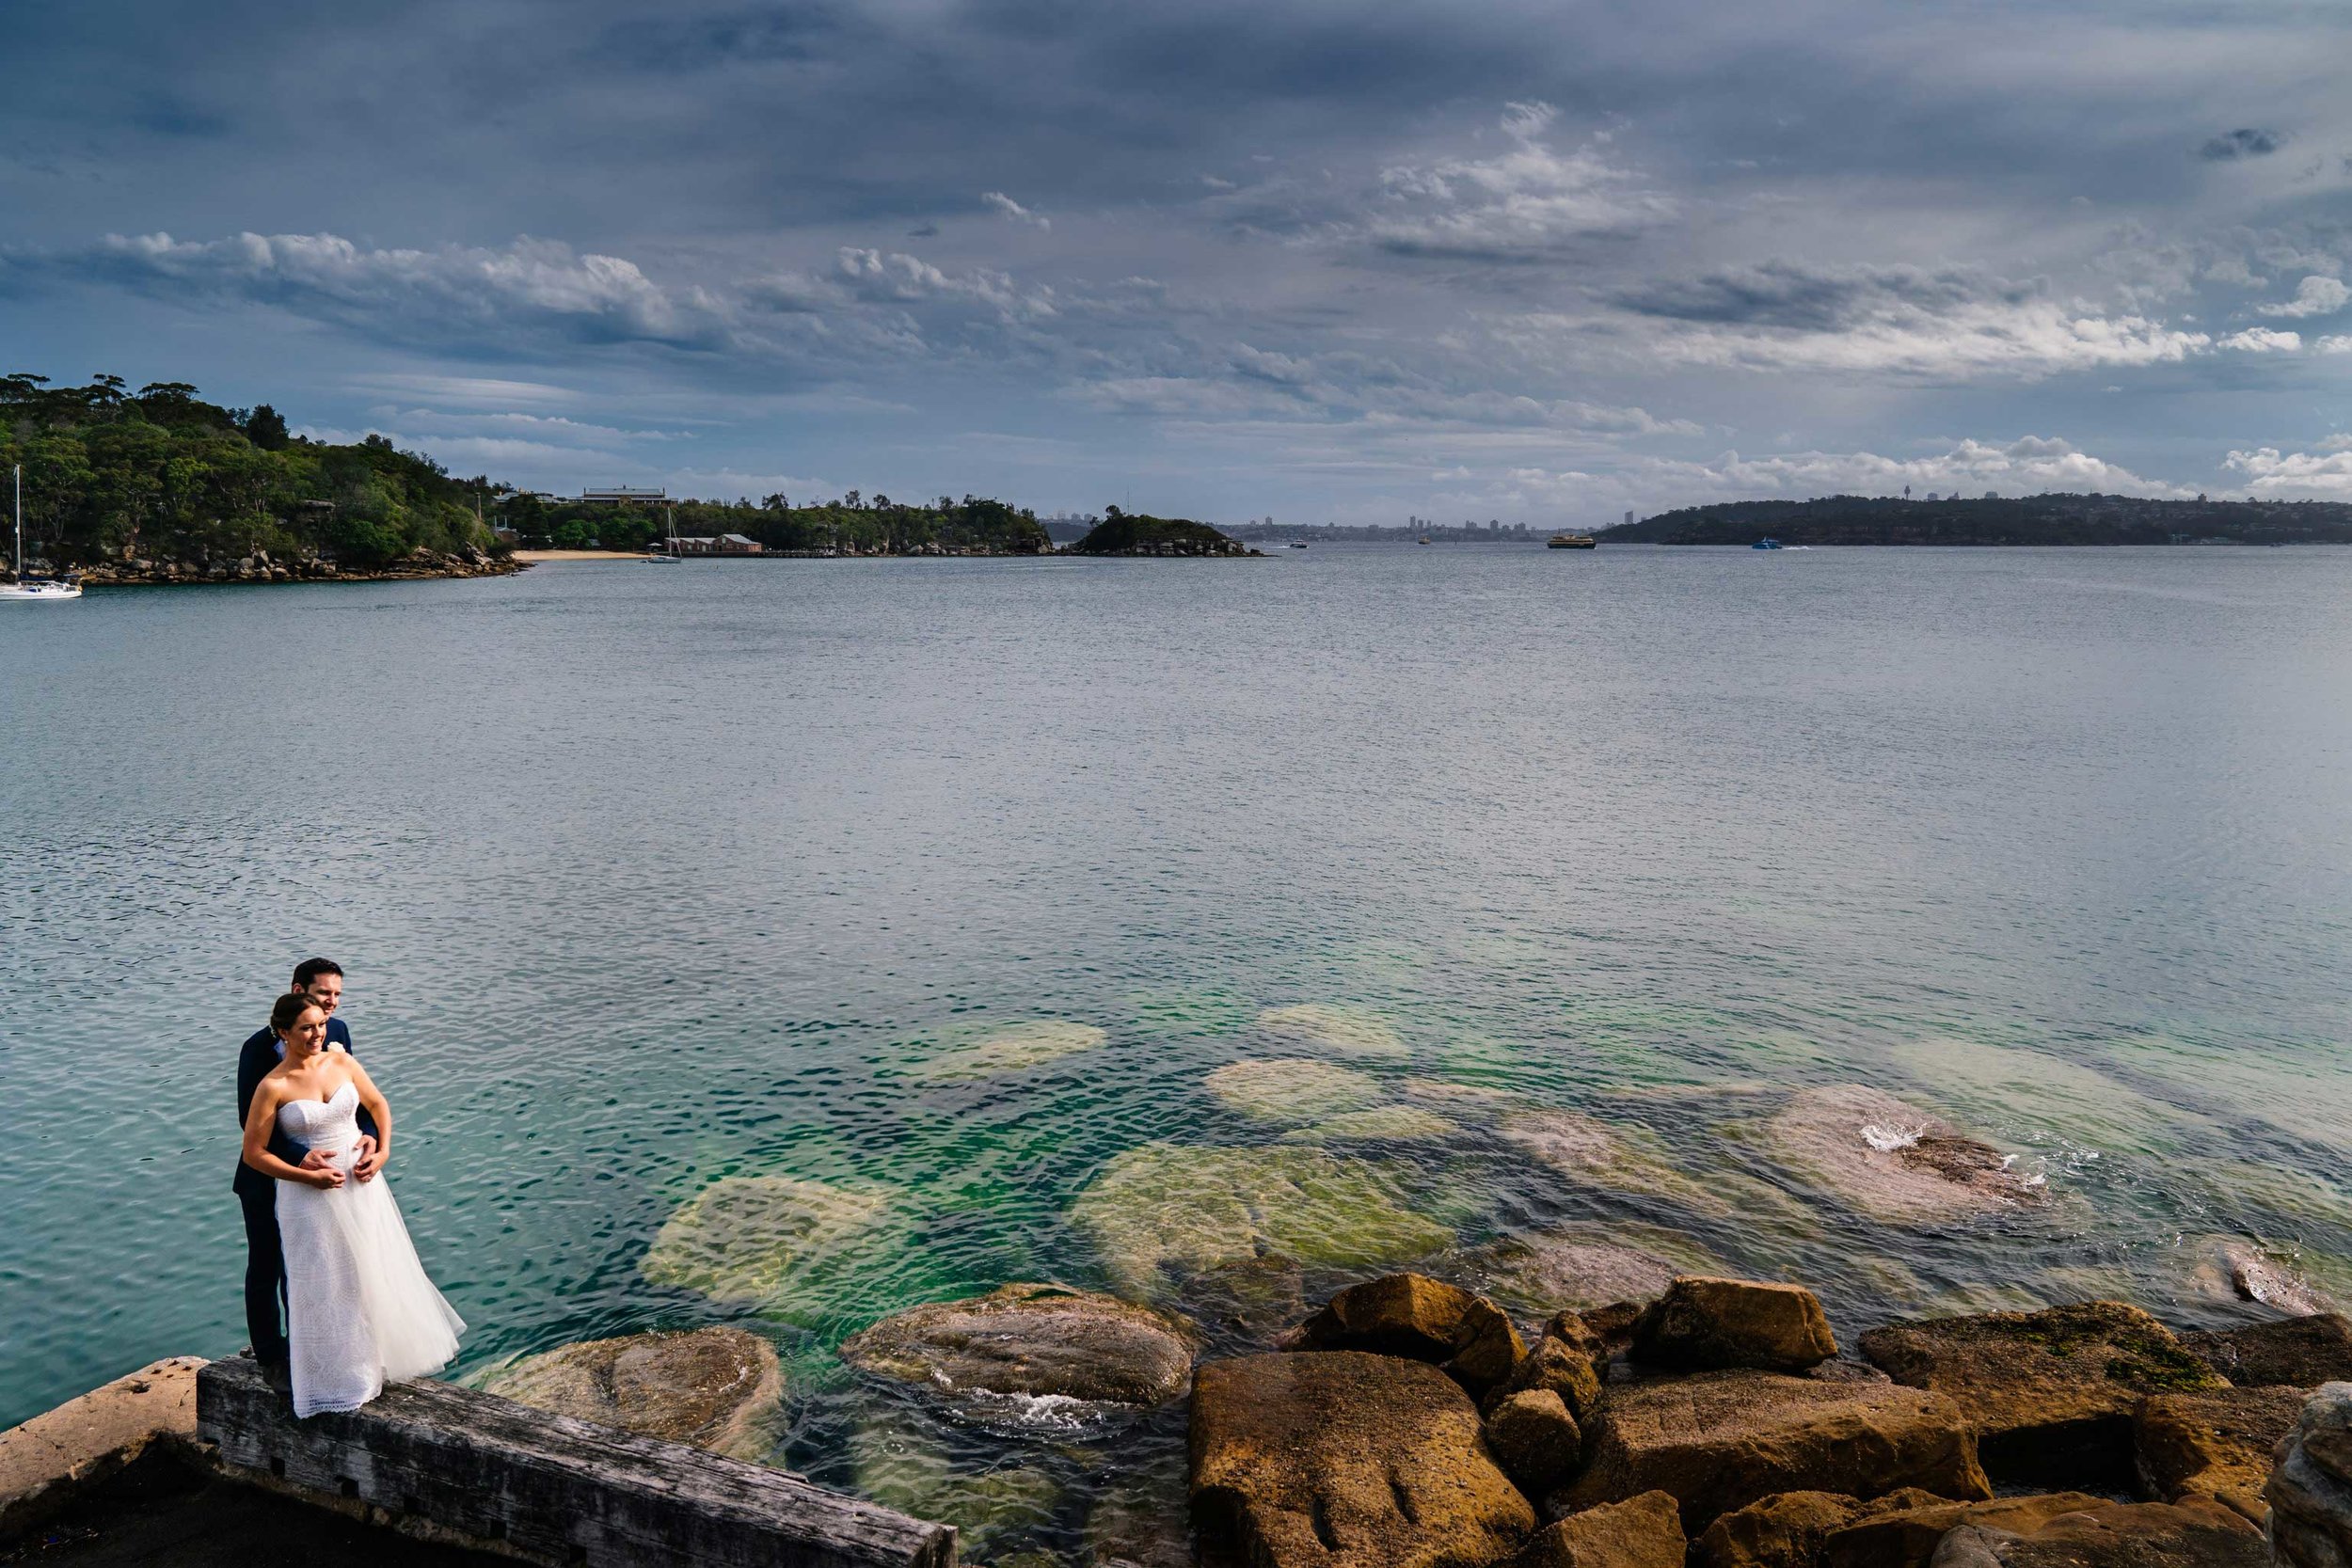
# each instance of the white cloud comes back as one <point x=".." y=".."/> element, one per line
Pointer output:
<point x="2316" y="295"/>
<point x="1519" y="205"/>
<point x="2262" y="339"/>
<point x="998" y="202"/>
<point x="2326" y="473"/>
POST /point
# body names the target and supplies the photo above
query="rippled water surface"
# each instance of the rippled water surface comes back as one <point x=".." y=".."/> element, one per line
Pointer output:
<point x="750" y="870"/>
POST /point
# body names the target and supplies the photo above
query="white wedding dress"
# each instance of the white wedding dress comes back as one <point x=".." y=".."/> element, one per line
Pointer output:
<point x="359" y="1308"/>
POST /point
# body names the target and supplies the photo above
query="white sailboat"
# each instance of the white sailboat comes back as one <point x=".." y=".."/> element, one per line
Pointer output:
<point x="667" y="556"/>
<point x="33" y="588"/>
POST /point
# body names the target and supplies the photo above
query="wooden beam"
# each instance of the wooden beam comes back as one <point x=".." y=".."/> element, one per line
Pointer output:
<point x="454" y="1465"/>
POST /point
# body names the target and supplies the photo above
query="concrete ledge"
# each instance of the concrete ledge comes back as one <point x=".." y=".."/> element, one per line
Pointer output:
<point x="472" y="1469"/>
<point x="47" y="1461"/>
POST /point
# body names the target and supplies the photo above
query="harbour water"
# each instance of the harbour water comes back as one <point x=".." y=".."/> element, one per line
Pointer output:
<point x="645" y="880"/>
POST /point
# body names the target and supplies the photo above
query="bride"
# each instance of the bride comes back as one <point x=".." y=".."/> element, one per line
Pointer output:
<point x="360" y="1307"/>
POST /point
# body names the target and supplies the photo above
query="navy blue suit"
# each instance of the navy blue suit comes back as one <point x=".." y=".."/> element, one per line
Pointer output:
<point x="257" y="1194"/>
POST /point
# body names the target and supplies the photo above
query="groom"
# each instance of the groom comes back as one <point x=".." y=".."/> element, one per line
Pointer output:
<point x="322" y="981"/>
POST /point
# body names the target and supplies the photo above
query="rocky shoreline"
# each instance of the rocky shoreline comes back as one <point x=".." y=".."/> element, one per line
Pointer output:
<point x="259" y="569"/>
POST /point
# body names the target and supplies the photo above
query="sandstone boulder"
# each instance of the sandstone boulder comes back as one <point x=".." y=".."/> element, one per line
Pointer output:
<point x="1426" y="1319"/>
<point x="1558" y="1366"/>
<point x="1339" y="1459"/>
<point x="2051" y="1392"/>
<point x="2195" y="1534"/>
<point x="1891" y="1160"/>
<point x="1704" y="1323"/>
<point x="1722" y="1440"/>
<point x="2309" y="1493"/>
<point x="718" y="1388"/>
<point x="1907" y="1537"/>
<point x="1783" y="1530"/>
<point x="1640" y="1532"/>
<point x="1032" y="1341"/>
<point x="2215" y="1445"/>
<point x="2298" y="1352"/>
<point x="1579" y="1267"/>
<point x="1535" y="1438"/>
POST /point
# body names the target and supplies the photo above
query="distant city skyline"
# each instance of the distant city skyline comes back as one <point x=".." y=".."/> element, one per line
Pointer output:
<point x="1537" y="263"/>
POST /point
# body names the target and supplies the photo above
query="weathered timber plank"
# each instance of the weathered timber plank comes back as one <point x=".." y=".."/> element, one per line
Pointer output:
<point x="552" y="1490"/>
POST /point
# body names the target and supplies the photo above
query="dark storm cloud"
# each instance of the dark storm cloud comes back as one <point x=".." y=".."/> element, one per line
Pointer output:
<point x="1810" y="299"/>
<point x="2245" y="142"/>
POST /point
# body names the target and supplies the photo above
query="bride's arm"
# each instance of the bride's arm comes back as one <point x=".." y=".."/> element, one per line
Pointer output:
<point x="372" y="1099"/>
<point x="260" y="1119"/>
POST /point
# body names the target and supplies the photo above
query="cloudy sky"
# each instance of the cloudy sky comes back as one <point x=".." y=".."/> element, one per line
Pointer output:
<point x="1535" y="261"/>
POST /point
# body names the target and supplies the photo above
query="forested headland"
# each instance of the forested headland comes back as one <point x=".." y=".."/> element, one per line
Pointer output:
<point x="160" y="485"/>
<point x="2048" y="519"/>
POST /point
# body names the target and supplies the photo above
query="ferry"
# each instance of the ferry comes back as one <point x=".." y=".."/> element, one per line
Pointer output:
<point x="1571" y="542"/>
<point x="1767" y="544"/>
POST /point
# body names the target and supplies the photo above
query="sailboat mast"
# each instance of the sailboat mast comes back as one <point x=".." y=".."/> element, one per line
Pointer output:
<point x="17" y="475"/>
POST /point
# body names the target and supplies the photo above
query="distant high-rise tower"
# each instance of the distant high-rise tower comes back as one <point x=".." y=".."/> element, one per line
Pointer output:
<point x="1628" y="518"/>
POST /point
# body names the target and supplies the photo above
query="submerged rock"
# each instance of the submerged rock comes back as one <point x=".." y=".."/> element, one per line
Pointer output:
<point x="1163" y="1206"/>
<point x="1640" y="1532"/>
<point x="1381" y="1124"/>
<point x="718" y="1388"/>
<point x="1349" y="1031"/>
<point x="1892" y="1160"/>
<point x="1291" y="1088"/>
<point x="2236" y="1268"/>
<point x="1464" y="1336"/>
<point x="1595" y="1154"/>
<point x="2051" y="1392"/>
<point x="1339" y="1459"/>
<point x="1012" y="1047"/>
<point x="903" y="1467"/>
<point x="2218" y="1445"/>
<point x="1583" y="1266"/>
<point x="2299" y="1352"/>
<point x="763" y="1238"/>
<point x="1703" y="1324"/>
<point x="1719" y="1441"/>
<point x="1033" y="1342"/>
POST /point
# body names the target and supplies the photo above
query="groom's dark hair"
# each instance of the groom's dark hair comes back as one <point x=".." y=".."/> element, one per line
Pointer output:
<point x="310" y="969"/>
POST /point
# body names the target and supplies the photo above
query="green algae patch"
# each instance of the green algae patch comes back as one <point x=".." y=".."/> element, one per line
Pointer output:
<point x="1011" y="1048"/>
<point x="787" y="1247"/>
<point x="1346" y="1030"/>
<point x="1291" y="1089"/>
<point x="1162" y="1208"/>
<point x="1382" y="1123"/>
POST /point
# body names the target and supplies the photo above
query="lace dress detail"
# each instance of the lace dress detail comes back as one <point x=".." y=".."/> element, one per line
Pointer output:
<point x="360" y="1307"/>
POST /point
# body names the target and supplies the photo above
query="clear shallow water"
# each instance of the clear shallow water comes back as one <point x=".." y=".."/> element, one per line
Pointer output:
<point x="645" y="879"/>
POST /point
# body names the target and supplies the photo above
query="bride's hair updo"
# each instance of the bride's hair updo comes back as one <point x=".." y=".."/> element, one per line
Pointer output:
<point x="286" y="1009"/>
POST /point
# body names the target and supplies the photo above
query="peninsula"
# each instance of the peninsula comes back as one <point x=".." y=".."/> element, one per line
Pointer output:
<point x="2047" y="519"/>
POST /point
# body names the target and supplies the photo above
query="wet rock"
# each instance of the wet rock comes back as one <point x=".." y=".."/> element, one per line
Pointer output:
<point x="1783" y="1530"/>
<point x="1702" y="1323"/>
<point x="1161" y="1207"/>
<point x="1032" y="1341"/>
<point x="2051" y="1392"/>
<point x="1013" y="1048"/>
<point x="1587" y="1266"/>
<point x="1382" y="1123"/>
<point x="769" y="1239"/>
<point x="1340" y="1459"/>
<point x="2309" y="1493"/>
<point x="2215" y="1445"/>
<point x="2299" y="1352"/>
<point x="2195" y="1534"/>
<point x="1640" y="1532"/>
<point x="2234" y="1267"/>
<point x="996" y="1510"/>
<point x="1261" y="1298"/>
<point x="1348" y="1031"/>
<point x="1892" y="1160"/>
<point x="1291" y="1089"/>
<point x="1907" y="1537"/>
<point x="718" y="1388"/>
<point x="1722" y="1440"/>
<point x="1560" y="1367"/>
<point x="1535" y="1438"/>
<point x="1466" y="1336"/>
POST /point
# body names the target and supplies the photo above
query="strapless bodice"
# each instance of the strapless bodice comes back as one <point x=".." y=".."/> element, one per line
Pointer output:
<point x="331" y="1124"/>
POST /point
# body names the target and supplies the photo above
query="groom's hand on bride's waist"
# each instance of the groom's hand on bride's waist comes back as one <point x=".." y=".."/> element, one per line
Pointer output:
<point x="371" y="1158"/>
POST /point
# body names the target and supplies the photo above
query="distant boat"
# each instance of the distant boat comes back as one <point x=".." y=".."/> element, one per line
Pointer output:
<point x="33" y="588"/>
<point x="1767" y="544"/>
<point x="669" y="555"/>
<point x="1571" y="542"/>
<point x="1298" y="544"/>
<point x="1423" y="540"/>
